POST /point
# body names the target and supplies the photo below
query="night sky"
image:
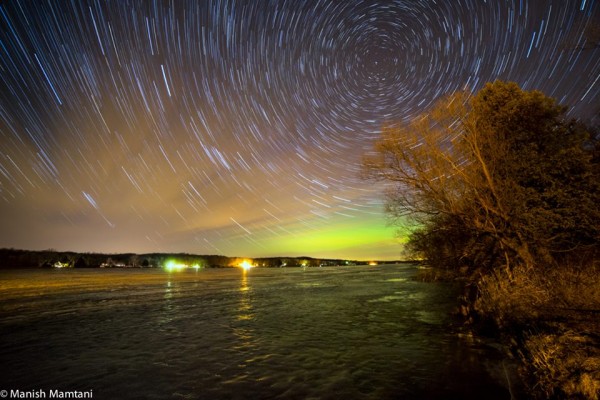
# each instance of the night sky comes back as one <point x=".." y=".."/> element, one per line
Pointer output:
<point x="237" y="127"/>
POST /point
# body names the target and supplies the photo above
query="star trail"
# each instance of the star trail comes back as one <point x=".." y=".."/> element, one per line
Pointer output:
<point x="237" y="127"/>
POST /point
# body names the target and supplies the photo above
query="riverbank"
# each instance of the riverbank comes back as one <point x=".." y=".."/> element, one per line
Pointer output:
<point x="548" y="320"/>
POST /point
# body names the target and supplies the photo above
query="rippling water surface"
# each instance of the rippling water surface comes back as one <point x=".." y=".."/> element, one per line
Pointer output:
<point x="323" y="333"/>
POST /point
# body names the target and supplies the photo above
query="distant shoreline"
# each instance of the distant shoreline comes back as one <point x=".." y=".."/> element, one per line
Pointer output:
<point x="31" y="259"/>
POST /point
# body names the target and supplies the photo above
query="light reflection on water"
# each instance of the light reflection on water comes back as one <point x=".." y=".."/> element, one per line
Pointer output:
<point x="245" y="306"/>
<point x="352" y="332"/>
<point x="244" y="313"/>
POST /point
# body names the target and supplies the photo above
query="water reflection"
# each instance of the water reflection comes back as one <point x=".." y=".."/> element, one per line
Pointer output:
<point x="269" y="333"/>
<point x="169" y="308"/>
<point x="244" y="315"/>
<point x="244" y="309"/>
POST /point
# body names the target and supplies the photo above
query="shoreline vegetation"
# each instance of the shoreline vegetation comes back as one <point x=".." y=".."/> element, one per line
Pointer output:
<point x="548" y="324"/>
<point x="501" y="191"/>
<point x="26" y="259"/>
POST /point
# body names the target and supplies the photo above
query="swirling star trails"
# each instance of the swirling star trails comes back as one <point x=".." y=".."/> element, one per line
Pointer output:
<point x="238" y="126"/>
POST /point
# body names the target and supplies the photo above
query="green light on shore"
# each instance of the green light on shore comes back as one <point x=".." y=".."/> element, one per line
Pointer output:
<point x="172" y="266"/>
<point x="176" y="266"/>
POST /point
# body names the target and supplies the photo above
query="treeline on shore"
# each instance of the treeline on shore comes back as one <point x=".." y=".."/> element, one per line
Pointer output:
<point x="15" y="258"/>
<point x="502" y="190"/>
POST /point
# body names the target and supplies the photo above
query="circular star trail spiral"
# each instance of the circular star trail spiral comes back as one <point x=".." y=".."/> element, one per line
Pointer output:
<point x="237" y="127"/>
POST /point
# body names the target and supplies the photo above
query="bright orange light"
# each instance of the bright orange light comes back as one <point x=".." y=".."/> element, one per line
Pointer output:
<point x="373" y="263"/>
<point x="246" y="265"/>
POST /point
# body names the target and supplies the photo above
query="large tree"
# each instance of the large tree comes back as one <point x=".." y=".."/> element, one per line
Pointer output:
<point x="492" y="179"/>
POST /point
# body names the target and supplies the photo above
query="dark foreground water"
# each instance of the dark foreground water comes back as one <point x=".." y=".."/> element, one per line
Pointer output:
<point x="324" y="333"/>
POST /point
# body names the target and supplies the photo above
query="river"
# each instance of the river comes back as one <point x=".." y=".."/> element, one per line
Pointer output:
<point x="360" y="332"/>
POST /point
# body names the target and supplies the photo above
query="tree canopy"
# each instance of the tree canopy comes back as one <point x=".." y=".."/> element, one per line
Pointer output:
<point x="491" y="179"/>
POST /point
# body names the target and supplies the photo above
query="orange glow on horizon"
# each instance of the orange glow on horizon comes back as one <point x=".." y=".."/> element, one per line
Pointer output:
<point x="246" y="265"/>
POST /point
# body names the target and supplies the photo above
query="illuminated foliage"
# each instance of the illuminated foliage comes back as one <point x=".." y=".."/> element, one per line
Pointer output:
<point x="490" y="179"/>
